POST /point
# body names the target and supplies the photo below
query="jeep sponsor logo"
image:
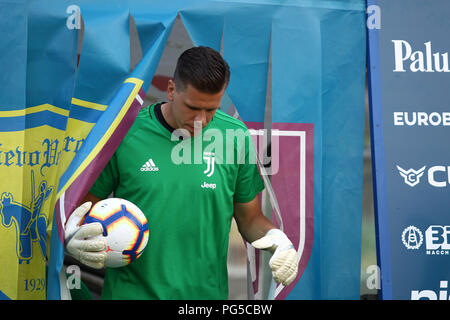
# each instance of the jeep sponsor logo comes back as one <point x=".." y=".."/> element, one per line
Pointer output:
<point x="208" y="185"/>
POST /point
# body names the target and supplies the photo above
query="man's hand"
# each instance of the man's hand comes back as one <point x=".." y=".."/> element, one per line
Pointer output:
<point x="84" y="242"/>
<point x="284" y="261"/>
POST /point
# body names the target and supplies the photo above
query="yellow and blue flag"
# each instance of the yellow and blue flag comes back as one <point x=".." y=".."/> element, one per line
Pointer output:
<point x="63" y="112"/>
<point x="38" y="64"/>
<point x="106" y="104"/>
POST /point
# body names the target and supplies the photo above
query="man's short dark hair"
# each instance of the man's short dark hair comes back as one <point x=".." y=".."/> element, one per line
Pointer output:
<point x="203" y="68"/>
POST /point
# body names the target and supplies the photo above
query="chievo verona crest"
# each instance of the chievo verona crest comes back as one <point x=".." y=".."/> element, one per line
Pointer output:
<point x="290" y="189"/>
<point x="29" y="222"/>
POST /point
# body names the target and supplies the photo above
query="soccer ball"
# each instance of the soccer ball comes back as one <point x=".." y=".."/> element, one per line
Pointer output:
<point x="125" y="229"/>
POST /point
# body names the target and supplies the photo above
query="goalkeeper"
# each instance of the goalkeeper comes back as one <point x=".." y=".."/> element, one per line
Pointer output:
<point x="189" y="204"/>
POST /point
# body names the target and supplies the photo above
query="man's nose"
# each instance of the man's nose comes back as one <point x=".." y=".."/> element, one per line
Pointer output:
<point x="200" y="118"/>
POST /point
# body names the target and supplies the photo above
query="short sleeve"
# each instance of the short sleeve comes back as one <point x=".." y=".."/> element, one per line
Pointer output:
<point x="249" y="182"/>
<point x="107" y="181"/>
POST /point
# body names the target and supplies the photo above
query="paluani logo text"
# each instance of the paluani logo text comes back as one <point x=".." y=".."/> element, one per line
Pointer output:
<point x="418" y="61"/>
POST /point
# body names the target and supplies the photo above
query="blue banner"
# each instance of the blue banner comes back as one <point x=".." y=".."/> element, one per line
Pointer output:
<point x="297" y="67"/>
<point x="306" y="61"/>
<point x="409" y="81"/>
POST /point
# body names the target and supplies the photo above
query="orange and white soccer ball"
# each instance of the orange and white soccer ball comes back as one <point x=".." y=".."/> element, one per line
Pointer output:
<point x="125" y="229"/>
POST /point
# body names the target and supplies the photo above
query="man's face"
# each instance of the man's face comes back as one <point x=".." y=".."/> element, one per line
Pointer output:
<point x="192" y="109"/>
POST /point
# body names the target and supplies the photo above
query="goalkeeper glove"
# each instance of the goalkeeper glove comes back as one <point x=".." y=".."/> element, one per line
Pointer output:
<point x="83" y="242"/>
<point x="284" y="261"/>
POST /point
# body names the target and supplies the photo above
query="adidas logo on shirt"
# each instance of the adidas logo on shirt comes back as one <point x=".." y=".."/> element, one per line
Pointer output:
<point x="149" y="166"/>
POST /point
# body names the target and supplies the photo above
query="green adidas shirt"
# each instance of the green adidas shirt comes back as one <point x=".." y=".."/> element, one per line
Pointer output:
<point x="186" y="189"/>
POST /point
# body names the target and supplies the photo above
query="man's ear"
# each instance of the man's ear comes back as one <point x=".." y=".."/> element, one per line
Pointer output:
<point x="170" y="89"/>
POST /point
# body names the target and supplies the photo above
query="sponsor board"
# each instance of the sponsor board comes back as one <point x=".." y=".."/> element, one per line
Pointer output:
<point x="410" y="119"/>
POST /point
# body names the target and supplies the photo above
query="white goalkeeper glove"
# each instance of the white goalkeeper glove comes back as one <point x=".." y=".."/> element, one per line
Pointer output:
<point x="84" y="242"/>
<point x="284" y="261"/>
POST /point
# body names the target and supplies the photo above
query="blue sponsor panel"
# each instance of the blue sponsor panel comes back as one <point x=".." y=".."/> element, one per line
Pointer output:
<point x="409" y="81"/>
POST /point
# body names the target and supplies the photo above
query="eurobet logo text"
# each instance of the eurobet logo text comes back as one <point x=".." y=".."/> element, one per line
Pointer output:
<point x="421" y="119"/>
<point x="437" y="239"/>
<point x="437" y="176"/>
